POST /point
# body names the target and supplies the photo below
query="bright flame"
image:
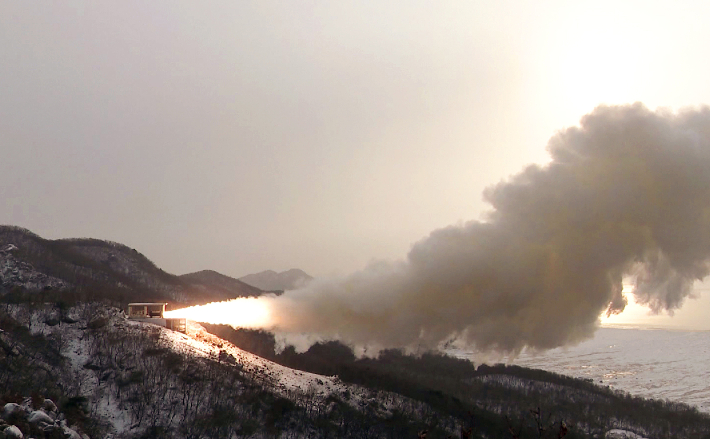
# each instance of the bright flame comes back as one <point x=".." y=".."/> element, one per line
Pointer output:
<point x="240" y="313"/>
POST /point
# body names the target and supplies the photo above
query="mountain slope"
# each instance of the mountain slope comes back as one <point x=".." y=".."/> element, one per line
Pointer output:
<point x="213" y="281"/>
<point x="270" y="280"/>
<point x="99" y="268"/>
<point x="134" y="380"/>
<point x="122" y="379"/>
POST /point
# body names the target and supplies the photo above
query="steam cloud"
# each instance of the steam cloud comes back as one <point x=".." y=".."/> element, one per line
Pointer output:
<point x="626" y="192"/>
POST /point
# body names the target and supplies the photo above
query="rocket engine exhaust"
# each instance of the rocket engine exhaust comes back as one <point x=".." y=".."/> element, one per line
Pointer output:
<point x="627" y="192"/>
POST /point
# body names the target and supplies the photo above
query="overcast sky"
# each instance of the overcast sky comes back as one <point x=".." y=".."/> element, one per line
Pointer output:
<point x="243" y="136"/>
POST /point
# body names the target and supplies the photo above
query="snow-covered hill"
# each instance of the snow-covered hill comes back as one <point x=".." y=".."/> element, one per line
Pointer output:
<point x="143" y="380"/>
<point x="30" y="263"/>
<point x="123" y="379"/>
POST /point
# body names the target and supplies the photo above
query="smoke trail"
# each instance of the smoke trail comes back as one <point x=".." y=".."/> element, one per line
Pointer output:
<point x="626" y="192"/>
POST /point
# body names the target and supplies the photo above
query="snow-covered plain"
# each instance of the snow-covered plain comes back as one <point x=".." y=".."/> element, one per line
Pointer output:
<point x="652" y="363"/>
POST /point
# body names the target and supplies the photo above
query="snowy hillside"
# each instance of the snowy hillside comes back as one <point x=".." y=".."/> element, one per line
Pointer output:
<point x="116" y="378"/>
<point x="142" y="380"/>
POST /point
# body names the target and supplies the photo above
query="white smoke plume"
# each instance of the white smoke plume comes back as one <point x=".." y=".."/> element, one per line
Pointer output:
<point x="627" y="192"/>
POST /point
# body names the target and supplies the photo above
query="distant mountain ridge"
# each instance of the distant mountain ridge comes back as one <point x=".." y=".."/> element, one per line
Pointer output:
<point x="214" y="281"/>
<point x="30" y="263"/>
<point x="269" y="280"/>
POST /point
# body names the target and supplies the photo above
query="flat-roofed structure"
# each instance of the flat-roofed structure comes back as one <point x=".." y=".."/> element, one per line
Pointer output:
<point x="142" y="310"/>
<point x="152" y="312"/>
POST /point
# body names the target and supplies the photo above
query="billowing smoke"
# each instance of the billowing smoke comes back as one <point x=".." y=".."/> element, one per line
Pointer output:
<point x="626" y="193"/>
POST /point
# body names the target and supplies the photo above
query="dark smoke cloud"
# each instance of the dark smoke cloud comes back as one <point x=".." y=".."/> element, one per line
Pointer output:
<point x="627" y="192"/>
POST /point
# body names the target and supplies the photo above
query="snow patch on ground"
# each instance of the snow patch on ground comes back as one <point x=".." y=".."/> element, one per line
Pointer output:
<point x="77" y="352"/>
<point x="622" y="434"/>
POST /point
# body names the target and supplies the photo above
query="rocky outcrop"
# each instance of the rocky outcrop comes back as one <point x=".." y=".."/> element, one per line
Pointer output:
<point x="18" y="421"/>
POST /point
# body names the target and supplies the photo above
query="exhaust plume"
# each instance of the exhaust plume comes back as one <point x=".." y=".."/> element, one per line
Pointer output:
<point x="627" y="192"/>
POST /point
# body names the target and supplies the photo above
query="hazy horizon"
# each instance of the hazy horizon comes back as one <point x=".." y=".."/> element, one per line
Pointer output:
<point x="241" y="137"/>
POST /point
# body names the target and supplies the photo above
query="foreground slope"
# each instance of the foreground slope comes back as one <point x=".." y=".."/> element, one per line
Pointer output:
<point x="488" y="399"/>
<point x="124" y="379"/>
<point x="118" y="378"/>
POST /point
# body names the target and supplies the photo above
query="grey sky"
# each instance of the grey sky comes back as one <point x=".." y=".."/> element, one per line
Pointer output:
<point x="243" y="136"/>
